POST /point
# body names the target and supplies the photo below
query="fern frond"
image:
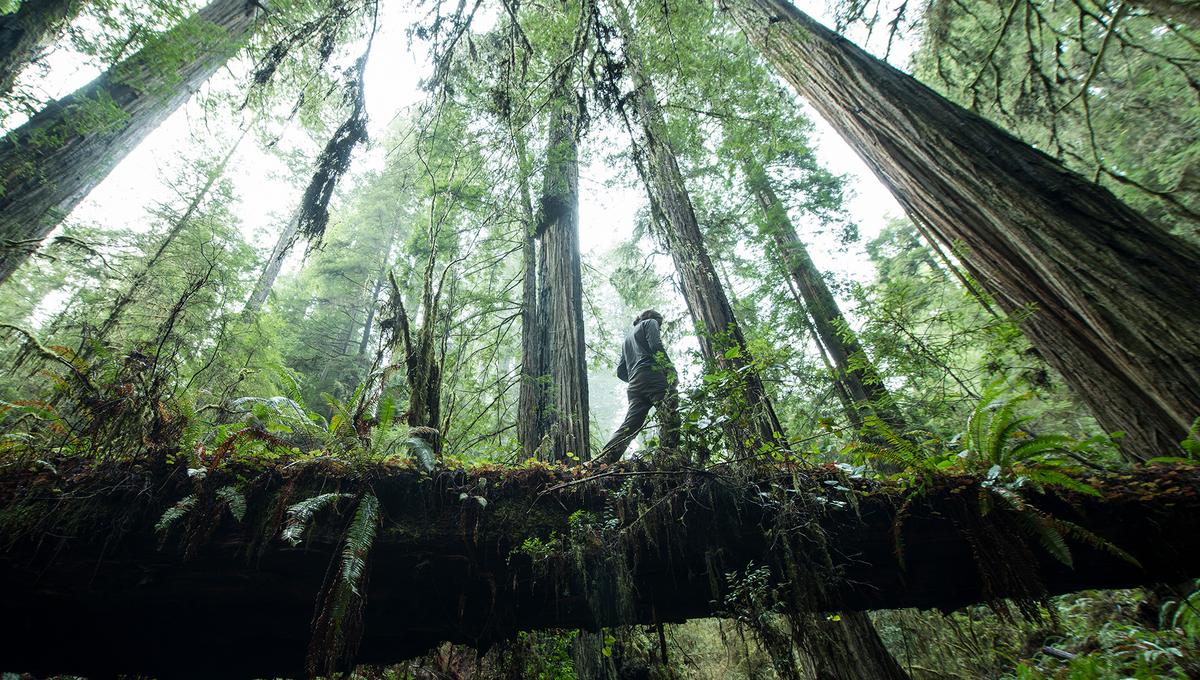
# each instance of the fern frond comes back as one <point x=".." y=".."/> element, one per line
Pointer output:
<point x="359" y="539"/>
<point x="1037" y="524"/>
<point x="422" y="452"/>
<point x="234" y="500"/>
<point x="1088" y="538"/>
<point x="175" y="513"/>
<point x="387" y="412"/>
<point x="1042" y="443"/>
<point x="1048" y="477"/>
<point x="898" y="451"/>
<point x="1042" y="528"/>
<point x="300" y="514"/>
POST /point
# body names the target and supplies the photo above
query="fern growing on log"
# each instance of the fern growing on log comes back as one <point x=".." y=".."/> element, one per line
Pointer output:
<point x="337" y="624"/>
<point x="300" y="514"/>
<point x="359" y="539"/>
<point x="175" y="513"/>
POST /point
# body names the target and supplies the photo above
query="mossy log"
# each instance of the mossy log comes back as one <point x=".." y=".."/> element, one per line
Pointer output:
<point x="89" y="586"/>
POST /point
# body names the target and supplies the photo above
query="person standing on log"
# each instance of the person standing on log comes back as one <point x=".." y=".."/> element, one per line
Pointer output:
<point x="652" y="378"/>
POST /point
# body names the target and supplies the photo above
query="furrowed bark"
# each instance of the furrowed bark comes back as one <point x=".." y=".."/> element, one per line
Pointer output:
<point x="49" y="164"/>
<point x="1107" y="297"/>
<point x="561" y="307"/>
<point x="531" y="400"/>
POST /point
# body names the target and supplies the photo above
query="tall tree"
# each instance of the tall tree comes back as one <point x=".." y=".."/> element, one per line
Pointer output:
<point x="1106" y="296"/>
<point x="560" y="299"/>
<point x="270" y="269"/>
<point x="553" y="413"/>
<point x="723" y="344"/>
<point x="49" y="164"/>
<point x="854" y="371"/>
<point x="721" y="339"/>
<point x="531" y="398"/>
<point x="28" y="31"/>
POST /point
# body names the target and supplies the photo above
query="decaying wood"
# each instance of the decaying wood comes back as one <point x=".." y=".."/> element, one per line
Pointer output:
<point x="88" y="587"/>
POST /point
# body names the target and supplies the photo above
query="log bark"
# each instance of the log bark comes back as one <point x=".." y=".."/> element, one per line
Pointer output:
<point x="1106" y="296"/>
<point x="49" y="164"/>
<point x="26" y="33"/>
<point x="87" y="586"/>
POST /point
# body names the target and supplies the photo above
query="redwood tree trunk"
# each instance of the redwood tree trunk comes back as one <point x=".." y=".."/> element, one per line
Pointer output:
<point x="846" y="647"/>
<point x="859" y="378"/>
<point x="25" y="33"/>
<point x="1111" y="298"/>
<point x="561" y="307"/>
<point x="721" y="339"/>
<point x="49" y="164"/>
<point x="710" y="307"/>
<point x="532" y="398"/>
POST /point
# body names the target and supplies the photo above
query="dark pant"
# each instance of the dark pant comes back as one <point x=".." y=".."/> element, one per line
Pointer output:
<point x="648" y="387"/>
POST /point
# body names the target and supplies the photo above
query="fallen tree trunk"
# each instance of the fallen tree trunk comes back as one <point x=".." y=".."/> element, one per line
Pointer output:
<point x="88" y="586"/>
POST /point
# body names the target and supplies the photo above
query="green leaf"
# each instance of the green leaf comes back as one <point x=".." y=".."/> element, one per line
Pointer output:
<point x="422" y="452"/>
<point x="359" y="539"/>
<point x="234" y="500"/>
<point x="175" y="513"/>
<point x="301" y="513"/>
<point x="387" y="411"/>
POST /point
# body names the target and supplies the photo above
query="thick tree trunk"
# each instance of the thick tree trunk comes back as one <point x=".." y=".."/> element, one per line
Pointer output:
<point x="88" y="587"/>
<point x="24" y="34"/>
<point x="561" y="309"/>
<point x="845" y="647"/>
<point x="532" y="398"/>
<point x="854" y="369"/>
<point x="1111" y="297"/>
<point x="49" y="164"/>
<point x="270" y="270"/>
<point x="721" y="339"/>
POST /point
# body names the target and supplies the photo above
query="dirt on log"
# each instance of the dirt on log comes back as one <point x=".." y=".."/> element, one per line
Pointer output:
<point x="90" y="587"/>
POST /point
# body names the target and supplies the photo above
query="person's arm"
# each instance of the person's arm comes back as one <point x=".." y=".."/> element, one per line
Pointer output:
<point x="622" y="369"/>
<point x="654" y="340"/>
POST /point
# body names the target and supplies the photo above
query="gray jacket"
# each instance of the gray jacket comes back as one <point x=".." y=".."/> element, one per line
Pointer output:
<point x="642" y="344"/>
